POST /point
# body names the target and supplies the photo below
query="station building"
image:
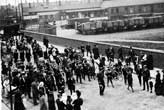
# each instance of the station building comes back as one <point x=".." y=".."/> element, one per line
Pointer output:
<point x="105" y="9"/>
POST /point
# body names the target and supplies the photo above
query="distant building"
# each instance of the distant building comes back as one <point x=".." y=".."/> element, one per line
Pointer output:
<point x="112" y="9"/>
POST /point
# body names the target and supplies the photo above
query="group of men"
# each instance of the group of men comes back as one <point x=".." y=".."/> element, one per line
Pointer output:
<point x="43" y="70"/>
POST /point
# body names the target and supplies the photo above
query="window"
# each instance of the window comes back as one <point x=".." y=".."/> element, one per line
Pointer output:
<point x="131" y="10"/>
<point x="112" y="11"/>
<point x="117" y="11"/>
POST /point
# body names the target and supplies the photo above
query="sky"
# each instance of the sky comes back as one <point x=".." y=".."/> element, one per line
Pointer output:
<point x="15" y="2"/>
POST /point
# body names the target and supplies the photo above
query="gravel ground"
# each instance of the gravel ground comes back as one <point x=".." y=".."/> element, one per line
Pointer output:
<point x="149" y="34"/>
<point x="117" y="98"/>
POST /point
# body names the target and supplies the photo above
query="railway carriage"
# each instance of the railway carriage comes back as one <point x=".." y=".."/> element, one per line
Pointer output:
<point x="154" y="21"/>
<point x="138" y="23"/>
<point x="72" y="22"/>
<point x="99" y="26"/>
<point x="87" y="28"/>
<point x="128" y="24"/>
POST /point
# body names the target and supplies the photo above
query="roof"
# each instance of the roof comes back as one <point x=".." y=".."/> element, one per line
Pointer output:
<point x="66" y="7"/>
<point x="80" y="10"/>
<point x="119" y="3"/>
<point x="47" y="13"/>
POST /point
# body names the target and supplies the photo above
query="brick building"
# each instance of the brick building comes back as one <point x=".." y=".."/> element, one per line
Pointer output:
<point x="112" y="9"/>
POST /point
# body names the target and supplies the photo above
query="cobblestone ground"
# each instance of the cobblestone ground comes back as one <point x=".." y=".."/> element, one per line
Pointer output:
<point x="117" y="98"/>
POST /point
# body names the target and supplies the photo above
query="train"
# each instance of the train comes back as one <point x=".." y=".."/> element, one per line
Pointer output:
<point x="128" y="24"/>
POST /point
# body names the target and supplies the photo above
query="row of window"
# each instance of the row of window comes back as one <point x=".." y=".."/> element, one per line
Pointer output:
<point x="107" y="12"/>
<point x="137" y="9"/>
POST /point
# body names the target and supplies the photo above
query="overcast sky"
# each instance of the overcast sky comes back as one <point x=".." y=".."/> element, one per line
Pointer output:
<point x="14" y="2"/>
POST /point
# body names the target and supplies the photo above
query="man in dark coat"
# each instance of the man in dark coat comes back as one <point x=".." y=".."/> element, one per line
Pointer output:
<point x="124" y="71"/>
<point x="101" y="82"/>
<point x="96" y="52"/>
<point x="158" y="84"/>
<point x="28" y="80"/>
<point x="28" y="55"/>
<point x="51" y="101"/>
<point x="35" y="92"/>
<point x="78" y="72"/>
<point x="71" y="84"/>
<point x="139" y="74"/>
<point x="60" y="104"/>
<point x="82" y="49"/>
<point x="120" y="53"/>
<point x="131" y="54"/>
<point x="46" y="42"/>
<point x="78" y="102"/>
<point x="146" y="77"/>
<point x="88" y="49"/>
<point x="15" y="56"/>
<point x="130" y="78"/>
<point x="18" y="103"/>
<point x="112" y="53"/>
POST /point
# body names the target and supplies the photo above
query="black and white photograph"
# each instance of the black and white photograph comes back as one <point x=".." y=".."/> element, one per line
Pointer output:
<point x="82" y="54"/>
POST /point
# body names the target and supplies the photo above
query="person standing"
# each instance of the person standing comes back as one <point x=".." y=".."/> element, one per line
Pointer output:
<point x="88" y="49"/>
<point x="35" y="94"/>
<point x="109" y="77"/>
<point x="124" y="71"/>
<point x="43" y="104"/>
<point x="78" y="73"/>
<point x="77" y="103"/>
<point x="146" y="77"/>
<point x="120" y="53"/>
<point x="112" y="53"/>
<point x="51" y="101"/>
<point x="130" y="78"/>
<point x="151" y="85"/>
<point x="107" y="52"/>
<point x="139" y="74"/>
<point x="96" y="54"/>
<point x="60" y="104"/>
<point x="15" y="56"/>
<point x="131" y="54"/>
<point x="162" y="83"/>
<point x="68" y="103"/>
<point x="101" y="82"/>
<point x="18" y="103"/>
<point x="71" y="84"/>
<point x="82" y="49"/>
<point x="158" y="84"/>
<point x="28" y="55"/>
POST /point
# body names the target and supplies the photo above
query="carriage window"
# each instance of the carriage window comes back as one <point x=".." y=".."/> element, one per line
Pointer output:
<point x="156" y="20"/>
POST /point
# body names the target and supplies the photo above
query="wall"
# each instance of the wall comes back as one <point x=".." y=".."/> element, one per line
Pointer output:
<point x="157" y="56"/>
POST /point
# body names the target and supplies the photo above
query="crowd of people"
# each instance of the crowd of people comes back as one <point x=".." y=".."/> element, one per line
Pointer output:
<point x="38" y="71"/>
